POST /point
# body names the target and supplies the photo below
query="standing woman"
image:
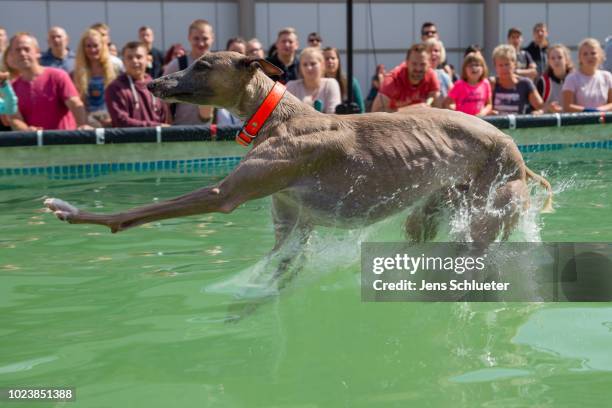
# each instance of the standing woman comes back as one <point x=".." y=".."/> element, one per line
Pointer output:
<point x="93" y="71"/>
<point x="333" y="69"/>
<point x="8" y="99"/>
<point x="550" y="84"/>
<point x="313" y="88"/>
<point x="175" y="51"/>
<point x="589" y="89"/>
<point x="437" y="55"/>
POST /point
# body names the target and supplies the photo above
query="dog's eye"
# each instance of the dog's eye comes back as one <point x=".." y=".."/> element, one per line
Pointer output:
<point x="203" y="65"/>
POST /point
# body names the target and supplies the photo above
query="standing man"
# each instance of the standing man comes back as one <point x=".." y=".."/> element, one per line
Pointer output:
<point x="201" y="38"/>
<point x="104" y="30"/>
<point x="129" y="102"/>
<point x="47" y="97"/>
<point x="58" y="55"/>
<point x="315" y="40"/>
<point x="154" y="67"/>
<point x="537" y="48"/>
<point x="525" y="66"/>
<point x="255" y="49"/>
<point x="287" y="44"/>
<point x="412" y="83"/>
<point x="429" y="30"/>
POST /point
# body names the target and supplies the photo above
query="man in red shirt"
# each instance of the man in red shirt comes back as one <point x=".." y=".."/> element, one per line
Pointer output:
<point x="129" y="102"/>
<point x="412" y="83"/>
<point x="47" y="96"/>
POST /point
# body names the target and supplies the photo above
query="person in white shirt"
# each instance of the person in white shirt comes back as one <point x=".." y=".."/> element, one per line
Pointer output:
<point x="588" y="89"/>
<point x="313" y="88"/>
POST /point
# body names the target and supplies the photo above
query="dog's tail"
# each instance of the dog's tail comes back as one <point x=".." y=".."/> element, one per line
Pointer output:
<point x="547" y="208"/>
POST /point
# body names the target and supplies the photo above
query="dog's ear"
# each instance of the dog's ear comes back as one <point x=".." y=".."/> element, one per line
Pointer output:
<point x="266" y="66"/>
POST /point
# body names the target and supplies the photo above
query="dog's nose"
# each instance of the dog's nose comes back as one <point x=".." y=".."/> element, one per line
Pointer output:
<point x="151" y="86"/>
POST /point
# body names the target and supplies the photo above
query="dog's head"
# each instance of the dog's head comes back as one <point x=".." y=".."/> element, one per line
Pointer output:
<point x="216" y="78"/>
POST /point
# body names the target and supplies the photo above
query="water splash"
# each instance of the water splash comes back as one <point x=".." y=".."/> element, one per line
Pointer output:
<point x="331" y="249"/>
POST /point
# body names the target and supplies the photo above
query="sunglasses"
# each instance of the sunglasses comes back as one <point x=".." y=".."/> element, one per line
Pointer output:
<point x="314" y="40"/>
<point x="429" y="32"/>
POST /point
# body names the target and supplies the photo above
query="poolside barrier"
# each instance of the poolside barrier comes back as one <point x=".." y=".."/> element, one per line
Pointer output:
<point x="209" y="133"/>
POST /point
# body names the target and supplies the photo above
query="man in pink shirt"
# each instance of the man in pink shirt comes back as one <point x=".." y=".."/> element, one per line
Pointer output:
<point x="47" y="96"/>
<point x="412" y="83"/>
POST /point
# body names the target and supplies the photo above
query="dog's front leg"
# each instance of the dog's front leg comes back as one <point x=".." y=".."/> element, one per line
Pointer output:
<point x="199" y="201"/>
<point x="250" y="180"/>
<point x="284" y="261"/>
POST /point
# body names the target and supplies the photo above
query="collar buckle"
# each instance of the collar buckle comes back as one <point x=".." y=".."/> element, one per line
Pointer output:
<point x="244" y="138"/>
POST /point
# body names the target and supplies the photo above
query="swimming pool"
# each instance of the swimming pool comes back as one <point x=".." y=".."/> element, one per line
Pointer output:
<point x="141" y="318"/>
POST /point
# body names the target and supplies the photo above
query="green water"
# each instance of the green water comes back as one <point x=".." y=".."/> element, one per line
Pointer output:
<point x="140" y="319"/>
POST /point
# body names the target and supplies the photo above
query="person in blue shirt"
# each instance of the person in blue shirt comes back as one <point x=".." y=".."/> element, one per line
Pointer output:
<point x="8" y="99"/>
<point x="58" y="55"/>
<point x="3" y="43"/>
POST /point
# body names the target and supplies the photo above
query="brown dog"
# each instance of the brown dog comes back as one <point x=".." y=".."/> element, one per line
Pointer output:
<point x="341" y="170"/>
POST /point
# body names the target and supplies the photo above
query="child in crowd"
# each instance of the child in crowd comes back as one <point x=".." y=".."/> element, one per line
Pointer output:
<point x="525" y="66"/>
<point x="472" y="93"/>
<point x="129" y="102"/>
<point x="589" y="89"/>
<point x="550" y="84"/>
<point x="512" y="94"/>
<point x="313" y="88"/>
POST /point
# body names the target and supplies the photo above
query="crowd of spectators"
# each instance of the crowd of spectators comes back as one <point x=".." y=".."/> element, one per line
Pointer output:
<point x="540" y="78"/>
<point x="96" y="85"/>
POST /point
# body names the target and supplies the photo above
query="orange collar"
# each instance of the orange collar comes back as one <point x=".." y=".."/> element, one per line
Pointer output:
<point x="249" y="131"/>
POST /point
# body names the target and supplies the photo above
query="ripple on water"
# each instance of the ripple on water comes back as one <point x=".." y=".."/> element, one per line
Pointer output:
<point x="576" y="333"/>
<point x="489" y="374"/>
<point x="26" y="365"/>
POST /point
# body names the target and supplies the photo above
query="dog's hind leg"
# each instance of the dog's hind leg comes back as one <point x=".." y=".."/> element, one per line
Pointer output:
<point x="422" y="223"/>
<point x="513" y="198"/>
<point x="500" y="213"/>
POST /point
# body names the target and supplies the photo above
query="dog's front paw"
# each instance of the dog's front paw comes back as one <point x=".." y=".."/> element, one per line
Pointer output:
<point x="62" y="210"/>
